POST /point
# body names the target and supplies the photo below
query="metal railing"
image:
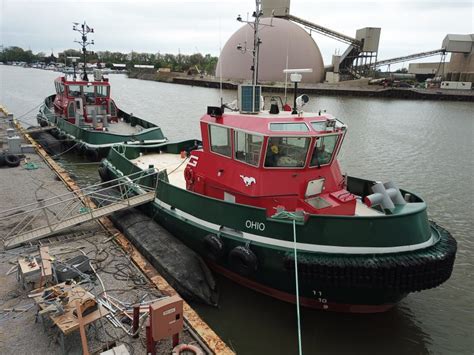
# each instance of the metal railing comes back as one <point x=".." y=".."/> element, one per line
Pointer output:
<point x="48" y="216"/>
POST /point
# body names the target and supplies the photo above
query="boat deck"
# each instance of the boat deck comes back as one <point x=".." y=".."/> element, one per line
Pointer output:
<point x="122" y="127"/>
<point x="175" y="165"/>
<point x="363" y="211"/>
<point x="172" y="163"/>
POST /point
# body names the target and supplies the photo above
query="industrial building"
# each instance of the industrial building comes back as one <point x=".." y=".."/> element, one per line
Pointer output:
<point x="359" y="60"/>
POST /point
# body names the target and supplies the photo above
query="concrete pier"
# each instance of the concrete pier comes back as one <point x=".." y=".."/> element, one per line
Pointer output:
<point x="124" y="272"/>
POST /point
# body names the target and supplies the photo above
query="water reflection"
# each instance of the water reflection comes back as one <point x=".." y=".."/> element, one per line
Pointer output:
<point x="255" y="324"/>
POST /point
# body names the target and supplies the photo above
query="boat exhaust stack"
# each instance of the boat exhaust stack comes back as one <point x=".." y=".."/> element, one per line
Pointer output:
<point x="386" y="195"/>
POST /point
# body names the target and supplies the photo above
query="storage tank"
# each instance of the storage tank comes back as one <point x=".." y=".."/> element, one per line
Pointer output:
<point x="283" y="38"/>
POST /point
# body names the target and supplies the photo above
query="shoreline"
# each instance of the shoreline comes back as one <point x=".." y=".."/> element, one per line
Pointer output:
<point x="340" y="89"/>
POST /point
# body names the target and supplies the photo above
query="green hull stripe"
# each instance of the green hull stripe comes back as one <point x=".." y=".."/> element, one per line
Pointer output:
<point x="97" y="139"/>
<point x="186" y="217"/>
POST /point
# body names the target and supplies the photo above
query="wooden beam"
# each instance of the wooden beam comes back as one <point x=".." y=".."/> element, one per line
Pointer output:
<point x="82" y="330"/>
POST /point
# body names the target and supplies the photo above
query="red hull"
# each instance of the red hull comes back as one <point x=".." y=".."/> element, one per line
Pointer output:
<point x="304" y="301"/>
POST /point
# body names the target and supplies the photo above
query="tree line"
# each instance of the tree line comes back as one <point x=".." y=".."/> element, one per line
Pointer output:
<point x="176" y="62"/>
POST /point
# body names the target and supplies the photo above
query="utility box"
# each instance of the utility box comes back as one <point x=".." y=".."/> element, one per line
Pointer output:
<point x="14" y="145"/>
<point x="276" y="8"/>
<point x="166" y="317"/>
<point x="370" y="37"/>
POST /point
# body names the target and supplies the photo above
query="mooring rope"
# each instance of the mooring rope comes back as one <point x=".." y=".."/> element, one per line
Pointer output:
<point x="298" y="318"/>
<point x="300" y="218"/>
<point x="59" y="154"/>
<point x="19" y="118"/>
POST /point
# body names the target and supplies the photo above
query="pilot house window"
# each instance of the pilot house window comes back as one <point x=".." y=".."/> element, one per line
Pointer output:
<point x="74" y="90"/>
<point x="286" y="152"/>
<point x="220" y="140"/>
<point x="248" y="147"/>
<point x="101" y="90"/>
<point x="323" y="150"/>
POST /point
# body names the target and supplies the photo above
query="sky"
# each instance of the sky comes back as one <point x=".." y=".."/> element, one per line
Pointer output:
<point x="190" y="26"/>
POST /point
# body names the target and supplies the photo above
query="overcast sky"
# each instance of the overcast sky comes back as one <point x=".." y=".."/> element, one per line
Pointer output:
<point x="189" y="26"/>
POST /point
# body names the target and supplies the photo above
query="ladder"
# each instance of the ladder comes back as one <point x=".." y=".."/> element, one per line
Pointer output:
<point x="46" y="217"/>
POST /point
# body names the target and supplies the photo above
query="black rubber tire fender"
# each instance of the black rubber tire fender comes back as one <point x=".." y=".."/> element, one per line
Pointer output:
<point x="12" y="160"/>
<point x="2" y="159"/>
<point x="243" y="260"/>
<point x="92" y="154"/>
<point x="213" y="247"/>
<point x="104" y="174"/>
<point x="41" y="120"/>
<point x="54" y="132"/>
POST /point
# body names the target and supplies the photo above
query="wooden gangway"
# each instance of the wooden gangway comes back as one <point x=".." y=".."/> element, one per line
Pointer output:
<point x="46" y="217"/>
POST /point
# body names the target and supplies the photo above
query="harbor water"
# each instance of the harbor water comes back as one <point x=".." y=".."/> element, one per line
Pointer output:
<point x="423" y="146"/>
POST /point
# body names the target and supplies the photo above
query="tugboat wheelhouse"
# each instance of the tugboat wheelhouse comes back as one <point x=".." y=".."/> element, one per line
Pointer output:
<point x="282" y="153"/>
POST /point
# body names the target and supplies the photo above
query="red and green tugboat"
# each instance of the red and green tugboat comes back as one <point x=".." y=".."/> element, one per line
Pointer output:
<point x="263" y="193"/>
<point x="260" y="181"/>
<point x="85" y="116"/>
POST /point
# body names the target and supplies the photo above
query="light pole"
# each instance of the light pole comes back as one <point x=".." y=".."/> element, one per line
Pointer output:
<point x="84" y="30"/>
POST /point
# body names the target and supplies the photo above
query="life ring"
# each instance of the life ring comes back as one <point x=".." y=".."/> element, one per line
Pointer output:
<point x="187" y="348"/>
<point x="243" y="260"/>
<point x="213" y="247"/>
<point x="12" y="160"/>
<point x="189" y="175"/>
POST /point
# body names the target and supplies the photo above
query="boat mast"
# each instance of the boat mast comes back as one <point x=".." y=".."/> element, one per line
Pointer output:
<point x="84" y="30"/>
<point x="255" y="24"/>
<point x="256" y="40"/>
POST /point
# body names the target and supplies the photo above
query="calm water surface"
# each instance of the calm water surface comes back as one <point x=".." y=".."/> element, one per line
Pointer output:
<point x="424" y="146"/>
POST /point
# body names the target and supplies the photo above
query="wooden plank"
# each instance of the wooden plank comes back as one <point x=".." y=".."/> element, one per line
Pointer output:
<point x="67" y="322"/>
<point x="85" y="349"/>
<point x="46" y="269"/>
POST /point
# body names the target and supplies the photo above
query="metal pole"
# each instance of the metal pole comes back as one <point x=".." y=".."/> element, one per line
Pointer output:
<point x="136" y="318"/>
<point x="298" y="317"/>
<point x="294" y="101"/>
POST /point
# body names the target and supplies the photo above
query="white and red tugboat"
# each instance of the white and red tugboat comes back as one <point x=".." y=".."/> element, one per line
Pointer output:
<point x="85" y="116"/>
<point x="265" y="187"/>
<point x="361" y="246"/>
